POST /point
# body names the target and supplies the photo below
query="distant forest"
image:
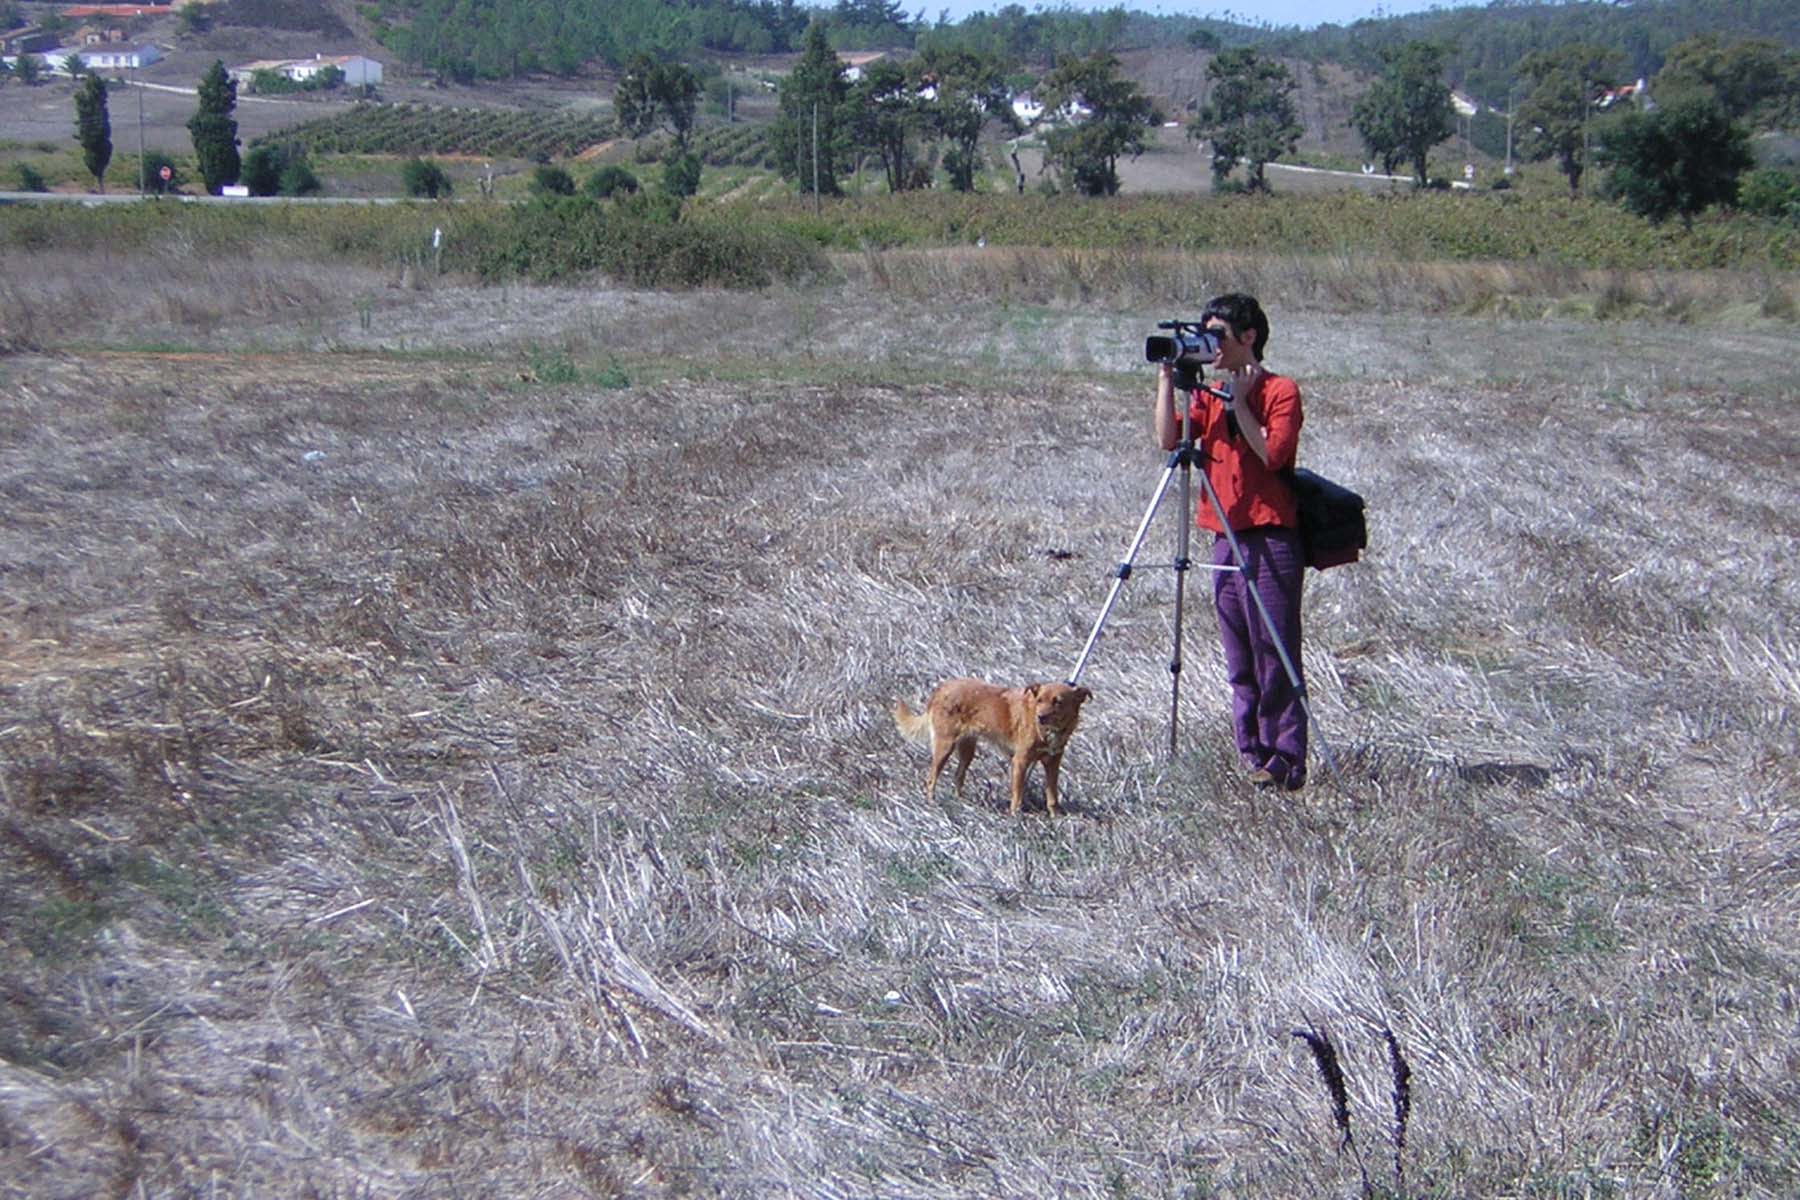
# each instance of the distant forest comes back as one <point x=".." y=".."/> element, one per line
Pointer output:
<point x="497" y="39"/>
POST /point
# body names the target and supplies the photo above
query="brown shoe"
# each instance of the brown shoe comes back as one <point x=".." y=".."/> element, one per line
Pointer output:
<point x="1262" y="778"/>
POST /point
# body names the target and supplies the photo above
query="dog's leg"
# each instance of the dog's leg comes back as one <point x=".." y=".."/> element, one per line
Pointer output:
<point x="1052" y="768"/>
<point x="1020" y="767"/>
<point x="940" y="757"/>
<point x="965" y="754"/>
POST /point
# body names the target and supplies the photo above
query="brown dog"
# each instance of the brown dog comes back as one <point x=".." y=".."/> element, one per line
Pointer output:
<point x="1031" y="723"/>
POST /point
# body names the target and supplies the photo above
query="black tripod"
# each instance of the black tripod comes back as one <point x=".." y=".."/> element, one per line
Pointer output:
<point x="1181" y="463"/>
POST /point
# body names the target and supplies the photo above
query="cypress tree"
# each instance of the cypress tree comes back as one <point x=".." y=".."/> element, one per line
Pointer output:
<point x="93" y="128"/>
<point x="214" y="129"/>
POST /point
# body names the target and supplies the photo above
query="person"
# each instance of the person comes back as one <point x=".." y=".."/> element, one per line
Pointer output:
<point x="1243" y="443"/>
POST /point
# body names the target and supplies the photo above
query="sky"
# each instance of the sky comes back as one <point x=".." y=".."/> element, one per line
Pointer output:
<point x="1304" y="13"/>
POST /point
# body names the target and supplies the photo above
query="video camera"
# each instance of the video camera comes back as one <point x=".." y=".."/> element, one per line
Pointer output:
<point x="1190" y="346"/>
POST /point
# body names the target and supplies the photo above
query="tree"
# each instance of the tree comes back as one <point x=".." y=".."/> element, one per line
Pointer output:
<point x="1106" y="116"/>
<point x="93" y="128"/>
<point x="214" y="130"/>
<point x="1408" y="110"/>
<point x="960" y="90"/>
<point x="812" y="115"/>
<point x="1754" y="80"/>
<point x="1676" y="161"/>
<point x="1555" y="114"/>
<point x="1250" y="115"/>
<point x="652" y="93"/>
<point x="29" y="69"/>
<point x="885" y="114"/>
<point x="424" y="177"/>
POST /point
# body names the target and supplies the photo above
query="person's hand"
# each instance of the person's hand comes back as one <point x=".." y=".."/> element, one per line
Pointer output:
<point x="1244" y="380"/>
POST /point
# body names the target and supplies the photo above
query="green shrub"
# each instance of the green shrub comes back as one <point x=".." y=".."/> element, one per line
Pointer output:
<point x="552" y="181"/>
<point x="30" y="179"/>
<point x="1771" y="192"/>
<point x="278" y="169"/>
<point x="423" y="177"/>
<point x="681" y="175"/>
<point x="154" y="162"/>
<point x="609" y="181"/>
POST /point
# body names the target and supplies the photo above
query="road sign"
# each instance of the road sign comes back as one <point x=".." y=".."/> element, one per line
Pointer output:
<point x="167" y="173"/>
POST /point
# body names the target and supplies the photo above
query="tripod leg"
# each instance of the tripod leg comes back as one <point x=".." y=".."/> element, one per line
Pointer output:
<point x="1181" y="569"/>
<point x="1123" y="571"/>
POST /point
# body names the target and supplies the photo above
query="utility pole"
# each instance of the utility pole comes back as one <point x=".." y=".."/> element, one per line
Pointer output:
<point x="1511" y="91"/>
<point x="143" y="168"/>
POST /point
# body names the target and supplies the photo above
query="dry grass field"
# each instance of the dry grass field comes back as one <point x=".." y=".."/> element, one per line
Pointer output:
<point x="444" y="751"/>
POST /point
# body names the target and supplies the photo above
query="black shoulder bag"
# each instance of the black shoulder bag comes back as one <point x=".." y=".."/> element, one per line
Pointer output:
<point x="1332" y="529"/>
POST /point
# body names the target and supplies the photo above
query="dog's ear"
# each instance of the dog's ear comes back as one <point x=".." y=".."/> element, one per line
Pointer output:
<point x="1082" y="695"/>
<point x="1032" y="690"/>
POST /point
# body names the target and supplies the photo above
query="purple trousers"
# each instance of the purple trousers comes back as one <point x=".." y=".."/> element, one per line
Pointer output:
<point x="1267" y="716"/>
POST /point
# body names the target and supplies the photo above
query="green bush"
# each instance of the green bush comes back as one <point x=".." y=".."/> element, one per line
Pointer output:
<point x="609" y="181"/>
<point x="154" y="162"/>
<point x="681" y="175"/>
<point x="1771" y="192"/>
<point x="278" y="169"/>
<point x="423" y="177"/>
<point x="30" y="179"/>
<point x="552" y="181"/>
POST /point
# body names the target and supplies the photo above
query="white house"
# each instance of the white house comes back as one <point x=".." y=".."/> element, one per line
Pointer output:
<point x="856" y="61"/>
<point x="358" y="71"/>
<point x="1026" y="108"/>
<point x="130" y="58"/>
<point x="56" y="61"/>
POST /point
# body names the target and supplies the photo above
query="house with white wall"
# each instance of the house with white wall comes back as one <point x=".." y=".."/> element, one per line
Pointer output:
<point x="114" y="58"/>
<point x="358" y="71"/>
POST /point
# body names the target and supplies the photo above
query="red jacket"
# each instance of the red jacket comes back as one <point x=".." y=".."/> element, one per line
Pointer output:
<point x="1250" y="492"/>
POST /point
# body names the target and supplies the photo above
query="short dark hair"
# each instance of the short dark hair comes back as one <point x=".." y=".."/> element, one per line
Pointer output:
<point x="1241" y="312"/>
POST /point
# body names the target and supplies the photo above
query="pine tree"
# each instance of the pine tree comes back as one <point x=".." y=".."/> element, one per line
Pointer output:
<point x="93" y="128"/>
<point x="214" y="129"/>
<point x="812" y="115"/>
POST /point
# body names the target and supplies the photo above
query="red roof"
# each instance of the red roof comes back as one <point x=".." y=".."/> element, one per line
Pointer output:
<point x="115" y="10"/>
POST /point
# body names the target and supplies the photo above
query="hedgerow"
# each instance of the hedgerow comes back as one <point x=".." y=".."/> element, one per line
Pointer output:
<point x="639" y="241"/>
<point x="1414" y="227"/>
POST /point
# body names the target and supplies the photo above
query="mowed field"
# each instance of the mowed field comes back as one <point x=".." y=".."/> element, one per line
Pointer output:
<point x="445" y="750"/>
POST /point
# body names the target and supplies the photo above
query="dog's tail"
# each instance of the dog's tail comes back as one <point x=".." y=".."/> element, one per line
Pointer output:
<point x="915" y="726"/>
